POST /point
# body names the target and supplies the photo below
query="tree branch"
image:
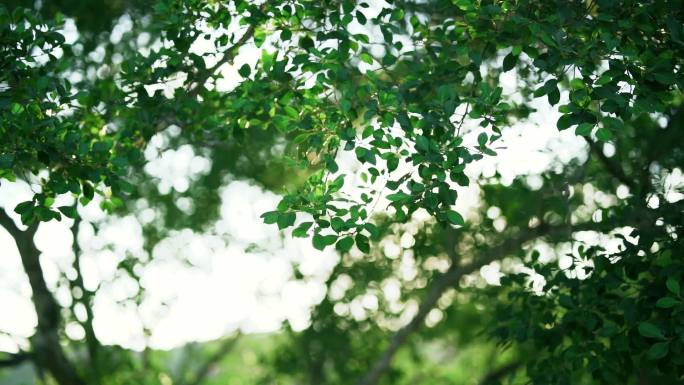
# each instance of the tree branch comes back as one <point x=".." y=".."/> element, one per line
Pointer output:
<point x="9" y="225"/>
<point x="225" y="347"/>
<point x="228" y="57"/>
<point x="614" y="169"/>
<point x="451" y="278"/>
<point x="47" y="351"/>
<point x="495" y="376"/>
<point x="14" y="359"/>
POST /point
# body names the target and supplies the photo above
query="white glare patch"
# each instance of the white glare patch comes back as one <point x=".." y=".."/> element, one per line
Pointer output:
<point x="564" y="262"/>
<point x="609" y="150"/>
<point x="662" y="122"/>
<point x="622" y="192"/>
<point x="391" y="249"/>
<point x="391" y="289"/>
<point x="341" y="309"/>
<point x="673" y="186"/>
<point x="74" y="331"/>
<point x="433" y="317"/>
<point x="184" y="204"/>
<point x="242" y="206"/>
<point x="370" y="302"/>
<point x="124" y="24"/>
<point x="499" y="224"/>
<point x="535" y="182"/>
<point x="653" y="202"/>
<point x="491" y="273"/>
<point x="175" y="168"/>
<point x="407" y="240"/>
<point x="339" y="287"/>
<point x="493" y="212"/>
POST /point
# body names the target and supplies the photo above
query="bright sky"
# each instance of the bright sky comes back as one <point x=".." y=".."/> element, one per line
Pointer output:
<point x="232" y="284"/>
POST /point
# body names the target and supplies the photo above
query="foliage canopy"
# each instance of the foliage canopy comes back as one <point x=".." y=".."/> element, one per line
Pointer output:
<point x="281" y="90"/>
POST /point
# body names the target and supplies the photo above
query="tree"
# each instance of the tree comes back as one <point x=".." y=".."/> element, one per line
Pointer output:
<point x="412" y="90"/>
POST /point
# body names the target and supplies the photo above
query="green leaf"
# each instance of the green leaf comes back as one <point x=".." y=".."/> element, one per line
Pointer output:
<point x="464" y="5"/>
<point x="266" y="58"/>
<point x="372" y="230"/>
<point x="398" y="196"/>
<point x="320" y="242"/>
<point x="603" y="134"/>
<point x="361" y="18"/>
<point x="553" y="96"/>
<point x="360" y="153"/>
<point x="270" y="217"/>
<point x="332" y="166"/>
<point x="550" y="86"/>
<point x="126" y="187"/>
<point x="673" y="286"/>
<point x="666" y="78"/>
<point x="604" y="79"/>
<point x="301" y="138"/>
<point x="422" y="143"/>
<point x="576" y="84"/>
<point x="245" y="70"/>
<point x="584" y="129"/>
<point x="650" y="330"/>
<point x="16" y="108"/>
<point x="659" y="350"/>
<point x="564" y="122"/>
<point x="362" y="243"/>
<point x="667" y="302"/>
<point x="74" y="187"/>
<point x="6" y="161"/>
<point x="461" y="179"/>
<point x="302" y="230"/>
<point x="286" y="220"/>
<point x="345" y="244"/>
<point x="566" y="301"/>
<point x="392" y="163"/>
<point x="259" y="37"/>
<point x="24" y="207"/>
<point x="482" y="139"/>
<point x="455" y="218"/>
<point x="291" y="112"/>
<point x="69" y="211"/>
<point x="285" y="34"/>
<point x="366" y="57"/>
<point x="88" y="191"/>
<point x="337" y="224"/>
<point x="609" y="329"/>
<point x="345" y="105"/>
<point x="612" y="123"/>
<point x="509" y="62"/>
<point x="45" y="214"/>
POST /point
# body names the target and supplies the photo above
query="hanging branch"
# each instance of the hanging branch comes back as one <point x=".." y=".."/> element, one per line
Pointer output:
<point x="47" y="350"/>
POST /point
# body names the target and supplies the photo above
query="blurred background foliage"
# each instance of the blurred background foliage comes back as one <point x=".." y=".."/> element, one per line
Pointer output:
<point x="420" y="314"/>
